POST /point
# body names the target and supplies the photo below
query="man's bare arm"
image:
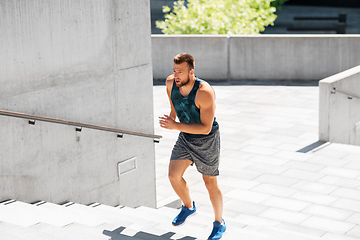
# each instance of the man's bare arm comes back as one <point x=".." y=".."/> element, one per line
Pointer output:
<point x="205" y="100"/>
<point x="169" y="84"/>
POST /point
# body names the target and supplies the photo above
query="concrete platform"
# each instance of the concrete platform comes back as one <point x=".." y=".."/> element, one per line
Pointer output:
<point x="273" y="170"/>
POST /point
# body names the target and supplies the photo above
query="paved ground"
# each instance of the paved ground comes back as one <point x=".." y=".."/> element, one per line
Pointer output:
<point x="269" y="175"/>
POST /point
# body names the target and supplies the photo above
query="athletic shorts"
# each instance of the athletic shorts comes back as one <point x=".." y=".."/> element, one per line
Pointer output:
<point x="204" y="152"/>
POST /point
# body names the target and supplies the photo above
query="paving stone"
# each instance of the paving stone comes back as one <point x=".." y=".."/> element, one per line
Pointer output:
<point x="328" y="225"/>
<point x="328" y="212"/>
<point x="328" y="161"/>
<point x="284" y="215"/>
<point x="244" y="207"/>
<point x="340" y="172"/>
<point x="334" y="236"/>
<point x="314" y="198"/>
<point x="237" y="183"/>
<point x="268" y="160"/>
<point x="277" y="180"/>
<point x="266" y="168"/>
<point x="248" y="196"/>
<point x="355" y="232"/>
<point x="303" y="175"/>
<point x="355" y="218"/>
<point x="256" y="221"/>
<point x="347" y="193"/>
<point x="260" y="150"/>
<point x="285" y="203"/>
<point x="348" y="204"/>
<point x="315" y="187"/>
<point x="295" y="156"/>
<point x="274" y="190"/>
<point x="340" y="181"/>
<point x="304" y="166"/>
<point x="301" y="229"/>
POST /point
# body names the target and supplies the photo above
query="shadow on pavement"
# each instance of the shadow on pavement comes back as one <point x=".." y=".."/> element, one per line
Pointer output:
<point x="116" y="235"/>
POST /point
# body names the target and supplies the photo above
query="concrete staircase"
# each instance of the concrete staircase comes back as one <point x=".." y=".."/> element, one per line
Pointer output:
<point x="69" y="221"/>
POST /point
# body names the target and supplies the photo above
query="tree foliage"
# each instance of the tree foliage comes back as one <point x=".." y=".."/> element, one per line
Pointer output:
<point x="278" y="3"/>
<point x="218" y="17"/>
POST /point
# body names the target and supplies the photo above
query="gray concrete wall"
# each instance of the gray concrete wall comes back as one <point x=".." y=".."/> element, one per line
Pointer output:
<point x="339" y="109"/>
<point x="79" y="60"/>
<point x="259" y="57"/>
<point x="210" y="53"/>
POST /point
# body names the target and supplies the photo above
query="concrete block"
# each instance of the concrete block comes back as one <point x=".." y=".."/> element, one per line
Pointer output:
<point x="77" y="61"/>
<point x="339" y="107"/>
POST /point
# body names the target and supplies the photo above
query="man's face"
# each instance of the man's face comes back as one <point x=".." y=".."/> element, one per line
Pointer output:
<point x="182" y="74"/>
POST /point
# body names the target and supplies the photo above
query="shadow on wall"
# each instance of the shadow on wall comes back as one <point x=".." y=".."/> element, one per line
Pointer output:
<point x="116" y="235"/>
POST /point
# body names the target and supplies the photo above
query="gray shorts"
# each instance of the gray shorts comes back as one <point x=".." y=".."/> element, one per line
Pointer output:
<point x="203" y="151"/>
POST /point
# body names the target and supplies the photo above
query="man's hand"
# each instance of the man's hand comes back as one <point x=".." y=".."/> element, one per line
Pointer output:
<point x="167" y="122"/>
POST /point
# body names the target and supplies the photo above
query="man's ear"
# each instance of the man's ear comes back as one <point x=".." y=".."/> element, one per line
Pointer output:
<point x="192" y="71"/>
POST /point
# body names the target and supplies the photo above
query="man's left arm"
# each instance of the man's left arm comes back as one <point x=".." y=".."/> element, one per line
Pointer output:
<point x="205" y="100"/>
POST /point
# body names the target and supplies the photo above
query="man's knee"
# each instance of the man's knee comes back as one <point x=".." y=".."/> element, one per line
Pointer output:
<point x="210" y="183"/>
<point x="173" y="176"/>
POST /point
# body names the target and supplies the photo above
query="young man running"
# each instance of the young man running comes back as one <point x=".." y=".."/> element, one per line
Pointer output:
<point x="192" y="100"/>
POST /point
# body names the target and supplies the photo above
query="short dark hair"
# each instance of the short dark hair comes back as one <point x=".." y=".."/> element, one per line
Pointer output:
<point x="185" y="57"/>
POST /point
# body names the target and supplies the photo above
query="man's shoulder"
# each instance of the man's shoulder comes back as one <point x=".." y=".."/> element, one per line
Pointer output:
<point x="169" y="81"/>
<point x="205" y="87"/>
<point x="205" y="92"/>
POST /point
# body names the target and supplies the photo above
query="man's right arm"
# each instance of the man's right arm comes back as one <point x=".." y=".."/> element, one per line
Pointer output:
<point x="169" y="85"/>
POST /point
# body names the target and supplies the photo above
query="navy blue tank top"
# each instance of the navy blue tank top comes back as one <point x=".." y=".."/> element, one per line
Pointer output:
<point x="186" y="109"/>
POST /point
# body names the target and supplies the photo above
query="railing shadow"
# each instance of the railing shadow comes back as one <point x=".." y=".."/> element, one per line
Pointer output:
<point x="116" y="235"/>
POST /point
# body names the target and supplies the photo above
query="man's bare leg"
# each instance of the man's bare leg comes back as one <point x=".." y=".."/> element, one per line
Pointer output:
<point x="176" y="171"/>
<point x="216" y="197"/>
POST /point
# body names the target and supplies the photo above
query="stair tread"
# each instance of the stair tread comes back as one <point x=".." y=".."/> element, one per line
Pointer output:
<point x="104" y="222"/>
<point x="19" y="232"/>
<point x="71" y="232"/>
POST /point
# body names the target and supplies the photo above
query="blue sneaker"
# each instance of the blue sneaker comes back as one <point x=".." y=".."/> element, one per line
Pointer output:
<point x="218" y="230"/>
<point x="185" y="212"/>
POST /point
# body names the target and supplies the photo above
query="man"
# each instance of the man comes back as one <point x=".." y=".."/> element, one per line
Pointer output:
<point x="192" y="100"/>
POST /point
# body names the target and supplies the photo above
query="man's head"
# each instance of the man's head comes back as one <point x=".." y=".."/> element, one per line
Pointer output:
<point x="185" y="57"/>
<point x="183" y="68"/>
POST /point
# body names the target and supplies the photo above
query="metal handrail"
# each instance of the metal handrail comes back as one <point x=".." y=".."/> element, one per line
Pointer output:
<point x="347" y="93"/>
<point x="78" y="124"/>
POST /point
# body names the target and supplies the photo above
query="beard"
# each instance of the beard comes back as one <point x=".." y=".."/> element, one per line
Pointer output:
<point x="181" y="84"/>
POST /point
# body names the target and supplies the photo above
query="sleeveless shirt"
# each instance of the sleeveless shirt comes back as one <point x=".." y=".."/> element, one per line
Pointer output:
<point x="186" y="109"/>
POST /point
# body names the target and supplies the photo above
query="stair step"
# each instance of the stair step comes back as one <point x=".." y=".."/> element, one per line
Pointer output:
<point x="74" y="213"/>
<point x="19" y="232"/>
<point x="71" y="231"/>
<point x="20" y="213"/>
<point x="45" y="220"/>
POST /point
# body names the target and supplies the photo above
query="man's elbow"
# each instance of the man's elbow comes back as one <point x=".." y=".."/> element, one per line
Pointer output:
<point x="207" y="130"/>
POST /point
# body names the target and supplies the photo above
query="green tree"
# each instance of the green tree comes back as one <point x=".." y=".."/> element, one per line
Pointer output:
<point x="278" y="3"/>
<point x="217" y="17"/>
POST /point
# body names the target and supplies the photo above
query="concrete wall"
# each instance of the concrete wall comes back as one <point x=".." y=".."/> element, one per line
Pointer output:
<point x="259" y="57"/>
<point x="210" y="53"/>
<point x="79" y="60"/>
<point x="339" y="116"/>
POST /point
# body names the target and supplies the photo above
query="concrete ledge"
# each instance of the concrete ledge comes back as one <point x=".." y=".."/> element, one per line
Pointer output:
<point x="258" y="57"/>
<point x="339" y="109"/>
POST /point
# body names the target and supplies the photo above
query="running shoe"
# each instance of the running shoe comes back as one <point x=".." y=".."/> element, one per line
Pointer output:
<point x="218" y="230"/>
<point x="185" y="212"/>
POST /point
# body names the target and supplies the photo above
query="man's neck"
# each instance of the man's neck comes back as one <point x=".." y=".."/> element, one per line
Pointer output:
<point x="185" y="90"/>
